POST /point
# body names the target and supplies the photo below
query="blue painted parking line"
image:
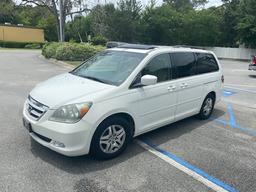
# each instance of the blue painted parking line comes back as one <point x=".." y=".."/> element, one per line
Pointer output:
<point x="232" y="122"/>
<point x="227" y="93"/>
<point x="186" y="167"/>
<point x="221" y="121"/>
<point x="232" y="119"/>
<point x="239" y="89"/>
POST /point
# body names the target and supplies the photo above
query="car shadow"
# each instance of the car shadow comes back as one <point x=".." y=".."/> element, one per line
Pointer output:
<point x="86" y="164"/>
<point x="253" y="76"/>
<point x="179" y="128"/>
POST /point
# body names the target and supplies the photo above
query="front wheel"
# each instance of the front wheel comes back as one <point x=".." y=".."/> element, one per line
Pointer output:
<point x="111" y="138"/>
<point x="207" y="107"/>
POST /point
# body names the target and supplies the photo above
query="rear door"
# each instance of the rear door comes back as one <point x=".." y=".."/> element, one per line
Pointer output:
<point x="189" y="85"/>
<point x="209" y="73"/>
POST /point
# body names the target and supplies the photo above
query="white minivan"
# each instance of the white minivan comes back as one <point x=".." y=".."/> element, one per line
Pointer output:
<point x="120" y="93"/>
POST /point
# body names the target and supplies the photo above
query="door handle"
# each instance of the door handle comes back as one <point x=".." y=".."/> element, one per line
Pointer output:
<point x="171" y="88"/>
<point x="183" y="85"/>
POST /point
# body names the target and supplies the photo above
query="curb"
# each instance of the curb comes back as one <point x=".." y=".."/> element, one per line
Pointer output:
<point x="57" y="62"/>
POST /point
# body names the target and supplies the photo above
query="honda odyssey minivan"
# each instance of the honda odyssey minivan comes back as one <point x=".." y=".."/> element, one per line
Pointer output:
<point x="120" y="93"/>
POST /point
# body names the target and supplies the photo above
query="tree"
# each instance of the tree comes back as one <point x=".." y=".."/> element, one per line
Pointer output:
<point x="38" y="17"/>
<point x="7" y="11"/>
<point x="201" y="28"/>
<point x="125" y="22"/>
<point x="228" y="12"/>
<point x="120" y="23"/>
<point x="161" y="25"/>
<point x="246" y="25"/>
<point x="60" y="10"/>
<point x="99" y="15"/>
<point x="78" y="29"/>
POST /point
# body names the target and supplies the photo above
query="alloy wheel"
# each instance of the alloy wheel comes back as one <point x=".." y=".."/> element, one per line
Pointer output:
<point x="112" y="139"/>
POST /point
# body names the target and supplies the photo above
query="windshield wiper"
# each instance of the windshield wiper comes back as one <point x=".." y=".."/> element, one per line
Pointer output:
<point x="93" y="78"/>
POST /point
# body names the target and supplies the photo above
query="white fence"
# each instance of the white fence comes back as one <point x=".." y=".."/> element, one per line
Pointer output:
<point x="232" y="53"/>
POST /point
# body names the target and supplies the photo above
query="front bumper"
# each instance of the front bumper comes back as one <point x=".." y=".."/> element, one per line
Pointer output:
<point x="67" y="139"/>
<point x="252" y="67"/>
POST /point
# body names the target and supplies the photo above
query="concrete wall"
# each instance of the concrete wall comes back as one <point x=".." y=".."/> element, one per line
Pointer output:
<point x="21" y="34"/>
<point x="232" y="53"/>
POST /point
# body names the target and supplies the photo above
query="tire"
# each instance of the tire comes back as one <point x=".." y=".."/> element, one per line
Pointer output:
<point x="110" y="138"/>
<point x="207" y="107"/>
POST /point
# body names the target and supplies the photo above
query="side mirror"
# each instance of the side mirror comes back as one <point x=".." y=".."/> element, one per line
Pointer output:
<point x="148" y="80"/>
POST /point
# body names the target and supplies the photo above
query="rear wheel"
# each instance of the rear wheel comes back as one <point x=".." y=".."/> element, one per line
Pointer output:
<point x="111" y="138"/>
<point x="207" y="107"/>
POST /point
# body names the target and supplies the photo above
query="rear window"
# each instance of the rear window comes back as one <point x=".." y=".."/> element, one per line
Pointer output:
<point x="206" y="63"/>
<point x="184" y="63"/>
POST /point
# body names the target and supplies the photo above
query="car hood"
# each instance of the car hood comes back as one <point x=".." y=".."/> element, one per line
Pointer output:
<point x="63" y="88"/>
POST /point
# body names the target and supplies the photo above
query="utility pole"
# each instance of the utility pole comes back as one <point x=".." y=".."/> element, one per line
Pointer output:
<point x="61" y="21"/>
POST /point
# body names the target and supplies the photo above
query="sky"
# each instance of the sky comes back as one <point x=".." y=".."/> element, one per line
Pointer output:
<point x="159" y="2"/>
<point x="214" y="3"/>
<point x="144" y="2"/>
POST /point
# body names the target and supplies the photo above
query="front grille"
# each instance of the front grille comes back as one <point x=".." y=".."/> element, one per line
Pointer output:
<point x="35" y="109"/>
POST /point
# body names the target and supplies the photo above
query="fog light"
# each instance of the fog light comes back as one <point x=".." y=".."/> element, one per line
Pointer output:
<point x="57" y="144"/>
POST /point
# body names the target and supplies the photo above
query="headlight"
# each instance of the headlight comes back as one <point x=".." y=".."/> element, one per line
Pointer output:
<point x="71" y="113"/>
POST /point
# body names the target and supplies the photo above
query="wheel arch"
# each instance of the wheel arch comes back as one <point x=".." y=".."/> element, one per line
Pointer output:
<point x="213" y="93"/>
<point x="125" y="115"/>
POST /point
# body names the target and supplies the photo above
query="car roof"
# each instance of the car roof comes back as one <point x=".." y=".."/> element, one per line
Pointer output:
<point x="141" y="48"/>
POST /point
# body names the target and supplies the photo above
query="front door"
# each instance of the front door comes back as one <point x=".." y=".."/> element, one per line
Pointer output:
<point x="157" y="103"/>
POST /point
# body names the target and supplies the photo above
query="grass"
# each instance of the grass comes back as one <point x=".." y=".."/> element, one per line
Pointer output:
<point x="74" y="63"/>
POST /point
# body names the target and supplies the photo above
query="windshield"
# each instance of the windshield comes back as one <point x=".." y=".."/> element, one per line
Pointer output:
<point x="111" y="67"/>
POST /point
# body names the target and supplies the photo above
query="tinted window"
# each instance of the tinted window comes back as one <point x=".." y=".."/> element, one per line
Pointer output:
<point x="184" y="64"/>
<point x="159" y="66"/>
<point x="206" y="63"/>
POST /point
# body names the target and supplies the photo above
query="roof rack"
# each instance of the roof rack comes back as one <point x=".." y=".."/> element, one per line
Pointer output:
<point x="137" y="46"/>
<point x="187" y="46"/>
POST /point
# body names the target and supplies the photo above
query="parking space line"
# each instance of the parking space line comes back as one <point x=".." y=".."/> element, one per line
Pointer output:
<point x="232" y="118"/>
<point x="221" y="121"/>
<point x="239" y="85"/>
<point x="186" y="167"/>
<point x="227" y="93"/>
<point x="239" y="89"/>
<point x="232" y="122"/>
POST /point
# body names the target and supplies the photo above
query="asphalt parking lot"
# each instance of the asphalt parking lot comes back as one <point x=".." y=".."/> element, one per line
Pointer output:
<point x="179" y="157"/>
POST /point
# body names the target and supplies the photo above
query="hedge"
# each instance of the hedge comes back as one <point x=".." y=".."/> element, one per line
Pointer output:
<point x="13" y="44"/>
<point x="70" y="51"/>
<point x="49" y="49"/>
<point x="99" y="40"/>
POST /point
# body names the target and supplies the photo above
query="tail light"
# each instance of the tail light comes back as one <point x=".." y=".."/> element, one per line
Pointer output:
<point x="222" y="78"/>
<point x="254" y="60"/>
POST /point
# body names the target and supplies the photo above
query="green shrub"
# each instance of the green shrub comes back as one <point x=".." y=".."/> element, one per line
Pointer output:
<point x="99" y="40"/>
<point x="33" y="46"/>
<point x="13" y="44"/>
<point x="70" y="51"/>
<point x="76" y="52"/>
<point x="49" y="49"/>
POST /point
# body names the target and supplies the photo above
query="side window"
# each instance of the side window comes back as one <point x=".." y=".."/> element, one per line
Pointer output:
<point x="184" y="63"/>
<point x="159" y="67"/>
<point x="206" y="63"/>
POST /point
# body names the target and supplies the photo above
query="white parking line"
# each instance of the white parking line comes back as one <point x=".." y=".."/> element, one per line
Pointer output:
<point x="239" y="85"/>
<point x="197" y="174"/>
<point x="240" y="70"/>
